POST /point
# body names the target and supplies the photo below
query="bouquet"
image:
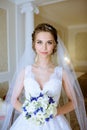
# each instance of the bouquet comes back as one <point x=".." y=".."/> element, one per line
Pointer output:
<point x="39" y="109"/>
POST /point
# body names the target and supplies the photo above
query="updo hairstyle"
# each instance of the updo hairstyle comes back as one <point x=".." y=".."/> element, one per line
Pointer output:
<point x="44" y="27"/>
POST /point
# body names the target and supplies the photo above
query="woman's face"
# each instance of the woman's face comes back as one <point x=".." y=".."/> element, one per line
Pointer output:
<point x="44" y="44"/>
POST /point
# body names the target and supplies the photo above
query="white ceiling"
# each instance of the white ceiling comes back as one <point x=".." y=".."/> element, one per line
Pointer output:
<point x="64" y="12"/>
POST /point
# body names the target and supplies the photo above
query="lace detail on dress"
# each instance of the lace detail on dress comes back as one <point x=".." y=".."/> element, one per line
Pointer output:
<point x="52" y="86"/>
<point x="57" y="72"/>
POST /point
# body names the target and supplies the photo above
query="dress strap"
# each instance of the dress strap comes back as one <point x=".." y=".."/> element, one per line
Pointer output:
<point x="59" y="72"/>
<point x="28" y="70"/>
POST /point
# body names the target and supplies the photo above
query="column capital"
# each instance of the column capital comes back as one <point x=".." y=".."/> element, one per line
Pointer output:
<point x="29" y="7"/>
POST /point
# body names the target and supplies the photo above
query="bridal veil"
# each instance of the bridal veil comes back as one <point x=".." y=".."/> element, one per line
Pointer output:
<point x="63" y="60"/>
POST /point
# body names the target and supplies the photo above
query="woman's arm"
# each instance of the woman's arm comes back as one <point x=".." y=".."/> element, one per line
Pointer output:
<point x="17" y="91"/>
<point x="69" y="106"/>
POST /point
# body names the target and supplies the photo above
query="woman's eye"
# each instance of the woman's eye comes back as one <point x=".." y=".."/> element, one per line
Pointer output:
<point x="39" y="42"/>
<point x="49" y="42"/>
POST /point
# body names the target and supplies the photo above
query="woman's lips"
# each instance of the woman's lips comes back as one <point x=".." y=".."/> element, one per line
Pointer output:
<point x="44" y="53"/>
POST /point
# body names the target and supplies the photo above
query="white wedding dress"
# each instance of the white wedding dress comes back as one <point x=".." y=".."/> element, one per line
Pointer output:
<point x="53" y="87"/>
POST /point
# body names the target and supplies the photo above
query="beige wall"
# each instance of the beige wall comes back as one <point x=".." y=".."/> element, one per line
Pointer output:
<point x="81" y="46"/>
<point x="3" y="41"/>
<point x="77" y="46"/>
<point x="3" y="50"/>
<point x="7" y="44"/>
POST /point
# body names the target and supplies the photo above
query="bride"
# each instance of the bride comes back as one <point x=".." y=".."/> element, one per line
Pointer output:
<point x="42" y="83"/>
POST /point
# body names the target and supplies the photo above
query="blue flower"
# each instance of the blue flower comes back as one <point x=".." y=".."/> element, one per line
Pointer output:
<point x="36" y="98"/>
<point x="51" y="116"/>
<point x="41" y="95"/>
<point x="33" y="98"/>
<point x="47" y="119"/>
<point x="35" y="112"/>
<point x="41" y="108"/>
<point x="24" y="108"/>
<point x="51" y="100"/>
<point x="28" y="115"/>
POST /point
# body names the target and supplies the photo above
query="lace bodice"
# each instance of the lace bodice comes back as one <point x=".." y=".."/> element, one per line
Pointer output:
<point x="52" y="87"/>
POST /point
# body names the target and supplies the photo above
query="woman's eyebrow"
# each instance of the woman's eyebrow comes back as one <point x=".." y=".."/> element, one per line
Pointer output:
<point x="42" y="40"/>
<point x="38" y="40"/>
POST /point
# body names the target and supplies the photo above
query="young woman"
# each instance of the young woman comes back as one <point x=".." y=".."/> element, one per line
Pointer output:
<point x="42" y="83"/>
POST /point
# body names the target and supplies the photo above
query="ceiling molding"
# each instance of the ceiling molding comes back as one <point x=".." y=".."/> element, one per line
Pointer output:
<point x="77" y="26"/>
<point x="37" y="2"/>
<point x="47" y="2"/>
<point x="18" y="2"/>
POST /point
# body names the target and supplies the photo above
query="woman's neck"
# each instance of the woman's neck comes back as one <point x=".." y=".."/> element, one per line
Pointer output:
<point x="44" y="62"/>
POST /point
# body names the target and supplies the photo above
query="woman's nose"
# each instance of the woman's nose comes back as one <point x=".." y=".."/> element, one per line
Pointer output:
<point x="44" y="46"/>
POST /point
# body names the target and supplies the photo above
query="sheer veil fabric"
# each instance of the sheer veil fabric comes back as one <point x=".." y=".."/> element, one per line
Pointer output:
<point x="78" y="100"/>
<point x="27" y="58"/>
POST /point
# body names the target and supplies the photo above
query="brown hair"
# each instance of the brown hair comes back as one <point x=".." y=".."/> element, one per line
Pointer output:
<point x="44" y="27"/>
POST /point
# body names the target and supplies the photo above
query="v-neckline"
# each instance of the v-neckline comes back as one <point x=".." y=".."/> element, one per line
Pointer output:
<point x="42" y="87"/>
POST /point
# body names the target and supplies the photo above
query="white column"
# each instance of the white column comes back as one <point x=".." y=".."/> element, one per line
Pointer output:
<point x="29" y="9"/>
